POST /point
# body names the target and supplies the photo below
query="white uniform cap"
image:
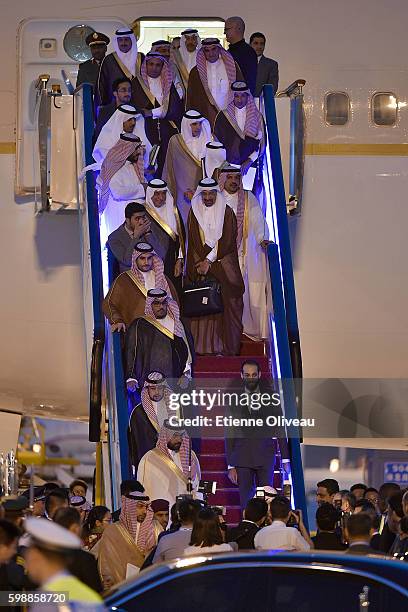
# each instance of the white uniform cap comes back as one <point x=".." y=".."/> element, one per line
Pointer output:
<point x="50" y="536"/>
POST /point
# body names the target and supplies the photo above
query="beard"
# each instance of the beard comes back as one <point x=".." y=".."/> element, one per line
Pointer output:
<point x="251" y="385"/>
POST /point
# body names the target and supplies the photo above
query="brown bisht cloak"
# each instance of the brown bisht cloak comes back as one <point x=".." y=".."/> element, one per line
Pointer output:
<point x="238" y="146"/>
<point x="218" y="333"/>
<point x="116" y="550"/>
<point x="200" y="99"/>
<point x="126" y="299"/>
<point x="182" y="172"/>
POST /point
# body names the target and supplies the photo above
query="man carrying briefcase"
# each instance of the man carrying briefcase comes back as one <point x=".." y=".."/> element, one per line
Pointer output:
<point x="212" y="254"/>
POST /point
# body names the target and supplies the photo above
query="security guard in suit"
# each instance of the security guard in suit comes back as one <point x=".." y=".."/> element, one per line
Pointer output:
<point x="88" y="71"/>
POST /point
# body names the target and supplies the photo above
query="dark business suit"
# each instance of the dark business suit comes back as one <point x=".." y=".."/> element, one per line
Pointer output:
<point x="88" y="72"/>
<point x="361" y="549"/>
<point x="252" y="450"/>
<point x="122" y="245"/>
<point x="243" y="534"/>
<point x="268" y="73"/>
<point x="84" y="566"/>
<point x="326" y="540"/>
<point x="247" y="60"/>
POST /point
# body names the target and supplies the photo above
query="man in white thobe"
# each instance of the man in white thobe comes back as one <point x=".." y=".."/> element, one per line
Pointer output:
<point x="164" y="470"/>
<point x="252" y="240"/>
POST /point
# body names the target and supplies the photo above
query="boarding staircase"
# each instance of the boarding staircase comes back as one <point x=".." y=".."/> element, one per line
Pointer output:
<point x="280" y="359"/>
<point x="212" y="450"/>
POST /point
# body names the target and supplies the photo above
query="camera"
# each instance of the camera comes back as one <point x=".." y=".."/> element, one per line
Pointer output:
<point x="292" y="522"/>
<point x="218" y="510"/>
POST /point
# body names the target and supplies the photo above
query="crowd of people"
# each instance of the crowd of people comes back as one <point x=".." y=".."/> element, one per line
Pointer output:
<point x="60" y="542"/>
<point x="179" y="144"/>
<point x="178" y="151"/>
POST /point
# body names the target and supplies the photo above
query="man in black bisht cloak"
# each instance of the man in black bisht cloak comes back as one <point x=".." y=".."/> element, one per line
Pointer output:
<point x="158" y="341"/>
<point x="148" y="417"/>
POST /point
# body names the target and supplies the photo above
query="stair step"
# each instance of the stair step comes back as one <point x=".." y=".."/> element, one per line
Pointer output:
<point x="249" y="348"/>
<point x="220" y="478"/>
<point x="225" y="498"/>
<point x="230" y="365"/>
<point x="233" y="516"/>
<point x="213" y="463"/>
<point x="211" y="446"/>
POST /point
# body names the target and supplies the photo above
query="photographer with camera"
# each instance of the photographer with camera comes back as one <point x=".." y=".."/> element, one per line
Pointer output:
<point x="278" y="536"/>
<point x="255" y="515"/>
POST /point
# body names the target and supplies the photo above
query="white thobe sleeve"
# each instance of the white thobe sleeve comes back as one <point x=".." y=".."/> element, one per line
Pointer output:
<point x="212" y="255"/>
<point x="124" y="184"/>
<point x="159" y="113"/>
<point x="254" y="155"/>
<point x="187" y="369"/>
<point x="196" y="481"/>
<point x="257" y="221"/>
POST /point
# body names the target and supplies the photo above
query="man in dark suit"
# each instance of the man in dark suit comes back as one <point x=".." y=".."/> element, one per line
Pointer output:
<point x="81" y="563"/>
<point x="122" y="93"/>
<point x="124" y="239"/>
<point x="358" y="534"/>
<point x="88" y="71"/>
<point x="326" y="519"/>
<point x="242" y="53"/>
<point x="268" y="70"/>
<point x="254" y="519"/>
<point x="251" y="450"/>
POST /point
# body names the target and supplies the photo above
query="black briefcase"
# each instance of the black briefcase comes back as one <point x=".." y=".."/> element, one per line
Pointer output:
<point x="202" y="298"/>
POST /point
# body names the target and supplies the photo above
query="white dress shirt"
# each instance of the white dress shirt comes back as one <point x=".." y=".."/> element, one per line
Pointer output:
<point x="279" y="537"/>
<point x="218" y="83"/>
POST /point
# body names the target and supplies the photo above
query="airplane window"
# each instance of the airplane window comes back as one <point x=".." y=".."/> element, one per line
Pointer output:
<point x="384" y="108"/>
<point x="75" y="45"/>
<point x="337" y="108"/>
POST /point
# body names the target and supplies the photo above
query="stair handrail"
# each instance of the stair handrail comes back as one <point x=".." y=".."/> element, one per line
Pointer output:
<point x="284" y="298"/>
<point x="95" y="395"/>
<point x="294" y="89"/>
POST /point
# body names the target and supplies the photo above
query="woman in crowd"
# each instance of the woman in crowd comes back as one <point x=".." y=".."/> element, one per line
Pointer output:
<point x="98" y="518"/>
<point x="206" y="536"/>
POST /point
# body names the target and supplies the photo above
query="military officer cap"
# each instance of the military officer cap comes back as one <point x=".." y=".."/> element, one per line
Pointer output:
<point x="97" y="38"/>
<point x="47" y="535"/>
<point x="15" y="504"/>
<point x="38" y="494"/>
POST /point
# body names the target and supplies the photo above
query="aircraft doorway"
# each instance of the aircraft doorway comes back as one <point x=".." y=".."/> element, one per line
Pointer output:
<point x="150" y="29"/>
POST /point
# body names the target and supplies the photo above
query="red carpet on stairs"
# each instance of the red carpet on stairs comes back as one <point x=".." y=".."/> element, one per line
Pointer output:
<point x="212" y="453"/>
